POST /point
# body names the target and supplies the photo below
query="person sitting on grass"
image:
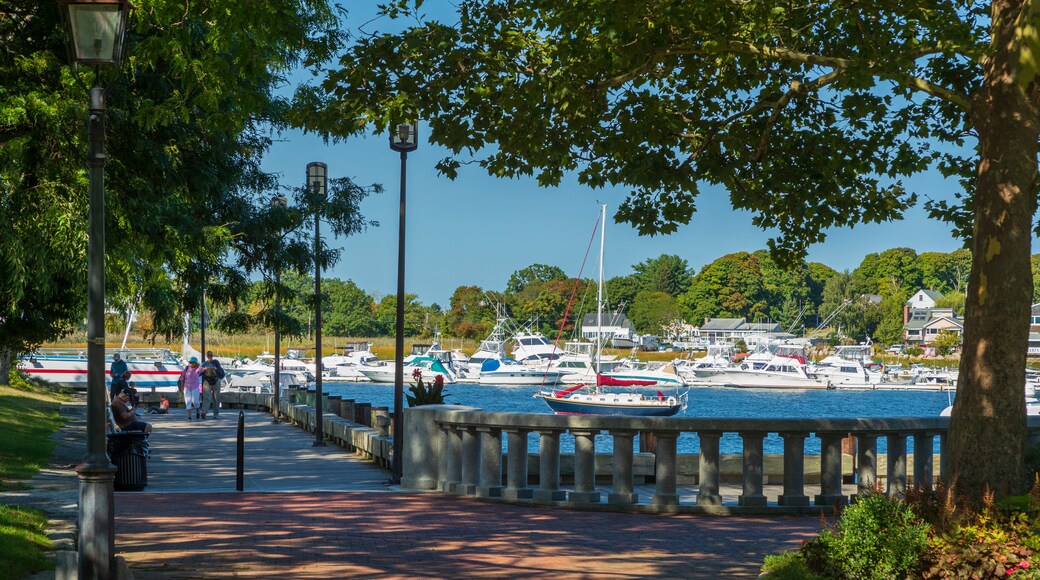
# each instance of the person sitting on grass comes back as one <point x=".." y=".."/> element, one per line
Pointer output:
<point x="125" y="417"/>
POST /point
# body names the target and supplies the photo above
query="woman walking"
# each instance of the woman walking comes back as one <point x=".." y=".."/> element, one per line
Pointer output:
<point x="191" y="383"/>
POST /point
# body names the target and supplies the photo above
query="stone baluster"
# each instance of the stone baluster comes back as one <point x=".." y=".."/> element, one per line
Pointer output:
<point x="443" y="464"/>
<point x="830" y="471"/>
<point x="866" y="459"/>
<point x="753" y="470"/>
<point x="584" y="467"/>
<point x="924" y="464"/>
<point x="549" y="467"/>
<point x="490" y="462"/>
<point x="896" y="464"/>
<point x="470" y="461"/>
<point x="666" y="470"/>
<point x="363" y="414"/>
<point x="708" y="469"/>
<point x="454" y="451"/>
<point x="794" y="470"/>
<point x="335" y="404"/>
<point x="622" y="482"/>
<point x="516" y="465"/>
<point x="942" y="456"/>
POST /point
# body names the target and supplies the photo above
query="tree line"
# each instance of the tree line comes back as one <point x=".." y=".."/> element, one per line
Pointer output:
<point x="658" y="294"/>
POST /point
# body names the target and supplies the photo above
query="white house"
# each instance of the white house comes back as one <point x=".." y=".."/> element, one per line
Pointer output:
<point x="924" y="299"/>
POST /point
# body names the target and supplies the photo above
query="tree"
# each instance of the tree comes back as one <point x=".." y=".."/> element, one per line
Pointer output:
<point x="811" y="117"/>
<point x="653" y="311"/>
<point x="946" y="342"/>
<point x="472" y="313"/>
<point x="348" y="311"/>
<point x="946" y="272"/>
<point x="533" y="274"/>
<point x="731" y="286"/>
<point x="414" y="315"/>
<point x="665" y="273"/>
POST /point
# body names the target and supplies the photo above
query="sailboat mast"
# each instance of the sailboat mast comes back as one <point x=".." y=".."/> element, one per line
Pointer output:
<point x="599" y="294"/>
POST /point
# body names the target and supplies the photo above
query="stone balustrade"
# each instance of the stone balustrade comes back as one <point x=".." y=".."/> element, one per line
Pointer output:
<point x="459" y="450"/>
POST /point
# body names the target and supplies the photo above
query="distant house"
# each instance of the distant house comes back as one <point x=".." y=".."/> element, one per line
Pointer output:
<point x="923" y="325"/>
<point x="1034" y="331"/>
<point x="616" y="329"/>
<point x="924" y="299"/>
<point x="730" y="330"/>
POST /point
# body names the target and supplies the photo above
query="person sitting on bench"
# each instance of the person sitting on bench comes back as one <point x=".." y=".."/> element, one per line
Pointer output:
<point x="125" y="417"/>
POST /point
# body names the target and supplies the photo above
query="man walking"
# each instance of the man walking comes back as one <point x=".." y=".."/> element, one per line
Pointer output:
<point x="212" y="377"/>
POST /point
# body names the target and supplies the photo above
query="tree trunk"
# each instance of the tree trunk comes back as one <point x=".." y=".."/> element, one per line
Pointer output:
<point x="987" y="436"/>
<point x="5" y="366"/>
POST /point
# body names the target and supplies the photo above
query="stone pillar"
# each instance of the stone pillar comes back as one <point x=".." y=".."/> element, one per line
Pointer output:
<point x="490" y="462"/>
<point x="443" y="467"/>
<point x="866" y="459"/>
<point x="924" y="463"/>
<point x="794" y="470"/>
<point x="335" y="404"/>
<point x="830" y="471"/>
<point x="324" y="402"/>
<point x="622" y="493"/>
<point x="584" y="467"/>
<point x="753" y="470"/>
<point x="363" y="414"/>
<point x="549" y="467"/>
<point x="708" y="470"/>
<point x="347" y="410"/>
<point x="666" y="470"/>
<point x="454" y="467"/>
<point x="470" y="461"/>
<point x="379" y="412"/>
<point x="516" y="473"/>
<point x="896" y="464"/>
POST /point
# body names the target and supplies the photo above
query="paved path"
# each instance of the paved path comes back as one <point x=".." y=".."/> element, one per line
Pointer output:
<point x="323" y="513"/>
<point x="356" y="529"/>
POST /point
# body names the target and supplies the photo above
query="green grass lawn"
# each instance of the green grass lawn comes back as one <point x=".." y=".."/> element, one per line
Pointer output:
<point x="28" y="417"/>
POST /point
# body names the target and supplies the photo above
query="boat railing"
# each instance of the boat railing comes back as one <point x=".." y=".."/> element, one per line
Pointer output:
<point x="128" y="354"/>
<point x="461" y="450"/>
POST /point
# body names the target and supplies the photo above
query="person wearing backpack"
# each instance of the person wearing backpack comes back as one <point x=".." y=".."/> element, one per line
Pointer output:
<point x="212" y="378"/>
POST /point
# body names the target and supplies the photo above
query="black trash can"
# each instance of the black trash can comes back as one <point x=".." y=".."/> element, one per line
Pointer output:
<point x="127" y="450"/>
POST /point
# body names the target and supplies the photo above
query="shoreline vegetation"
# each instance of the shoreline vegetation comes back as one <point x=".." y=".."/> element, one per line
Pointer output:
<point x="29" y="415"/>
<point x="251" y="345"/>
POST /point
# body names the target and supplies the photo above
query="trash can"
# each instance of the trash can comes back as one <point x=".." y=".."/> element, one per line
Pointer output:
<point x="127" y="450"/>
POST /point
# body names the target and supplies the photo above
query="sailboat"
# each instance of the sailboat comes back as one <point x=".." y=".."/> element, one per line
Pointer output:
<point x="583" y="399"/>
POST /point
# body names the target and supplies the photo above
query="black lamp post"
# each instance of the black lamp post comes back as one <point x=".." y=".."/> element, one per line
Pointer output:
<point x="278" y="201"/>
<point x="95" y="29"/>
<point x="403" y="138"/>
<point x="317" y="180"/>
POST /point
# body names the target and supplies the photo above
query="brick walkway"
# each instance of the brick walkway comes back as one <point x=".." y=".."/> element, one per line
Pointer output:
<point x="407" y="535"/>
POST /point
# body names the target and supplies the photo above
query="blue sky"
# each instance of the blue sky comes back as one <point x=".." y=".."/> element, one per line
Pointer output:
<point x="478" y="230"/>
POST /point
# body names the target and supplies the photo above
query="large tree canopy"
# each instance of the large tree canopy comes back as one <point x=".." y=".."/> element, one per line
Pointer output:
<point x="189" y="115"/>
<point x="812" y="115"/>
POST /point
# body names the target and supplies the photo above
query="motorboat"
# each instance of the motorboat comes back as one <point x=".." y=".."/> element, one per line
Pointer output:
<point x="427" y="367"/>
<point x="259" y="382"/>
<point x="343" y="366"/>
<point x="785" y="370"/>
<point x="506" y="372"/>
<point x="532" y="347"/>
<point x="154" y="369"/>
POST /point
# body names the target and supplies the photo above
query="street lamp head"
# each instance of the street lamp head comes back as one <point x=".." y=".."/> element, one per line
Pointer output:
<point x="96" y="29"/>
<point x="318" y="178"/>
<point x="404" y="137"/>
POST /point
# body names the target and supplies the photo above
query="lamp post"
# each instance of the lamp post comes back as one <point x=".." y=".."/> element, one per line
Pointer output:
<point x="278" y="201"/>
<point x="95" y="29"/>
<point x="317" y="180"/>
<point x="403" y="138"/>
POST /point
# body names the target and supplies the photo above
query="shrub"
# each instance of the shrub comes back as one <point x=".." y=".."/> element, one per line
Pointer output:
<point x="788" y="566"/>
<point x="878" y="537"/>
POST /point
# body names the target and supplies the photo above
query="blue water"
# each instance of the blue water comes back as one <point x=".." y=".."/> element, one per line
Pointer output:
<point x="704" y="402"/>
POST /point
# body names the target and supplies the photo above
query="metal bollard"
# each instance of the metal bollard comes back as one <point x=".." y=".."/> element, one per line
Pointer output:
<point x="241" y="452"/>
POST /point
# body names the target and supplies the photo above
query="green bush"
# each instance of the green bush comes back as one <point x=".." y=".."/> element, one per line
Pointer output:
<point x="788" y="566"/>
<point x="878" y="537"/>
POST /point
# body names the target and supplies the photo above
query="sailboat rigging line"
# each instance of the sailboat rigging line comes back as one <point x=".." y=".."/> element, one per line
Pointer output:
<point x="570" y="302"/>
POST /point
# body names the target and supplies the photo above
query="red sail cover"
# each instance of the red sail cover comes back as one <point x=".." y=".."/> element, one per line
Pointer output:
<point x="567" y="391"/>
<point x="605" y="381"/>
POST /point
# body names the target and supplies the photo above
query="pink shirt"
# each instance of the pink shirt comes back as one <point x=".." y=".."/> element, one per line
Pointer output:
<point x="192" y="377"/>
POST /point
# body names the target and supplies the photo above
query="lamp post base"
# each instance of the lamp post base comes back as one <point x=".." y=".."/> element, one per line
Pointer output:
<point x="96" y="521"/>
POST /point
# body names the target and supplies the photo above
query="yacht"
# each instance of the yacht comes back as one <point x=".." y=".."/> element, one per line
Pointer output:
<point x="785" y="370"/>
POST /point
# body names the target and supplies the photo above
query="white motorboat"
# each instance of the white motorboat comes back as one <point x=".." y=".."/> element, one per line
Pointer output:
<point x="633" y="370"/>
<point x="344" y="366"/>
<point x="426" y="366"/>
<point x="508" y="372"/>
<point x="259" y="382"/>
<point x="786" y="370"/>
<point x="155" y="369"/>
